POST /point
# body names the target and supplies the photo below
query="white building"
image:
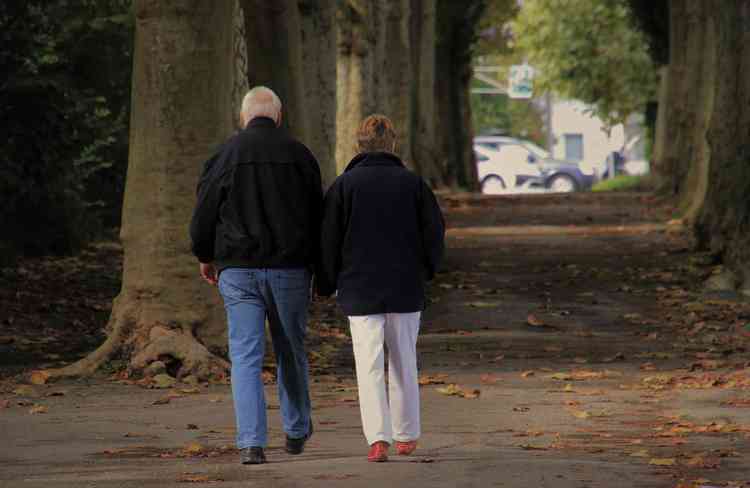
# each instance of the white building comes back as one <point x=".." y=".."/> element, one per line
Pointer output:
<point x="582" y="137"/>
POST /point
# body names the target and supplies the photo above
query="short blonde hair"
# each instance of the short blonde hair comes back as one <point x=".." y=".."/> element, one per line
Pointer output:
<point x="376" y="133"/>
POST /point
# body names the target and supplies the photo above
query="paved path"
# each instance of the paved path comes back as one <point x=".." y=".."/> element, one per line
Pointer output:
<point x="597" y="364"/>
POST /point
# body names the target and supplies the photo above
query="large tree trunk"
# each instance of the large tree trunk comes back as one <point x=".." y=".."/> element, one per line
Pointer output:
<point x="354" y="74"/>
<point x="181" y="111"/>
<point x="318" y="40"/>
<point x="457" y="24"/>
<point x="373" y="71"/>
<point x="672" y="165"/>
<point x="423" y="120"/>
<point x="394" y="65"/>
<point x="273" y="33"/>
<point x="724" y="222"/>
<point x="701" y="81"/>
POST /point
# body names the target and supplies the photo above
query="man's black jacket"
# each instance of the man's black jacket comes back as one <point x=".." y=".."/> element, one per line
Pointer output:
<point x="259" y="202"/>
<point x="382" y="237"/>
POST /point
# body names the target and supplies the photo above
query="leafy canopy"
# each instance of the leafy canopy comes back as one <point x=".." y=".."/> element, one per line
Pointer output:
<point x="588" y="50"/>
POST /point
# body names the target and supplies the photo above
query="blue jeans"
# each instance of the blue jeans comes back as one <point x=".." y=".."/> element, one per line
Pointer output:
<point x="281" y="295"/>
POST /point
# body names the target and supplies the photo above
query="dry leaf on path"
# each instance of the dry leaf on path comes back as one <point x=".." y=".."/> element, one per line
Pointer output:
<point x="580" y="414"/>
<point x="455" y="390"/>
<point x="640" y="453"/>
<point x="36" y="409"/>
<point x="39" y="377"/>
<point x="527" y="374"/>
<point x="488" y="379"/>
<point x="198" y="478"/>
<point x="438" y="379"/>
<point x="193" y="449"/>
<point x="26" y="391"/>
<point x="662" y="461"/>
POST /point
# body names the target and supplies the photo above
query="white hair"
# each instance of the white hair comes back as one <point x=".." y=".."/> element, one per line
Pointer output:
<point x="261" y="101"/>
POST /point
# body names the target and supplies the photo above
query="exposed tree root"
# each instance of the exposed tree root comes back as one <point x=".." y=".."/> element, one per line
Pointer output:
<point x="195" y="359"/>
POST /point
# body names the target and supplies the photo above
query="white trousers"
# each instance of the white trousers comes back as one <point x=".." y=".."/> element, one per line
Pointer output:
<point x="397" y="419"/>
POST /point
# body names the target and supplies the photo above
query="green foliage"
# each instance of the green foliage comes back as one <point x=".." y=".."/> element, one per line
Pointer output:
<point x="588" y="50"/>
<point x="64" y="104"/>
<point x="625" y="183"/>
<point x="518" y="118"/>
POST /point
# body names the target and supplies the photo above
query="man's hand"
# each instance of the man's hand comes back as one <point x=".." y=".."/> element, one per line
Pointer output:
<point x="208" y="273"/>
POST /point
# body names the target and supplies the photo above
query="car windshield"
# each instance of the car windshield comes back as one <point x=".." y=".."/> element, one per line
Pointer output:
<point x="538" y="151"/>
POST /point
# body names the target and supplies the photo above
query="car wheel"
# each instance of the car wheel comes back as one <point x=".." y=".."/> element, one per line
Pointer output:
<point x="562" y="184"/>
<point x="493" y="185"/>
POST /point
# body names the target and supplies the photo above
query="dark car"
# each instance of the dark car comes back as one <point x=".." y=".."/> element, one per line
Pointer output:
<point x="558" y="176"/>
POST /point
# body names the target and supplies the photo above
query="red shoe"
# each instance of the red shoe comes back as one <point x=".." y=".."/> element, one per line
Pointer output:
<point x="378" y="452"/>
<point x="405" y="448"/>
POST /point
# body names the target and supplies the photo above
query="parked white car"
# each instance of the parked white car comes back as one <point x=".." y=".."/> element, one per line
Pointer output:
<point x="502" y="171"/>
<point x="506" y="164"/>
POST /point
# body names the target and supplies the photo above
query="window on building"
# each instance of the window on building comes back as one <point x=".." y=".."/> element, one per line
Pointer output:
<point x="574" y="147"/>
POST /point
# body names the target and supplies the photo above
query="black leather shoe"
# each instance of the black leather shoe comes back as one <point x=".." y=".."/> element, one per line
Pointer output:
<point x="252" y="455"/>
<point x="296" y="446"/>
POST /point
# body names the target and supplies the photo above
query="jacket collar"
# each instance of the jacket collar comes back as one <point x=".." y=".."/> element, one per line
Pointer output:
<point x="262" y="122"/>
<point x="376" y="158"/>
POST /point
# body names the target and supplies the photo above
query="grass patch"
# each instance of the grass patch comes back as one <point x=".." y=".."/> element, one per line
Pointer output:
<point x="625" y="183"/>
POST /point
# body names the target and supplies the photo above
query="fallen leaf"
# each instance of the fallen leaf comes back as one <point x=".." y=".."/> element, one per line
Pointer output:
<point x="26" y="391"/>
<point x="471" y="394"/>
<point x="662" y="461"/>
<point x="580" y="414"/>
<point x="197" y="478"/>
<point x="488" y="379"/>
<point x="191" y="427"/>
<point x="497" y="358"/>
<point x="39" y="377"/>
<point x="193" y="449"/>
<point x="527" y="374"/>
<point x="56" y="393"/>
<point x="190" y="391"/>
<point x="438" y="379"/>
<point x="521" y="409"/>
<point x="161" y="401"/>
<point x="640" y="453"/>
<point x="36" y="409"/>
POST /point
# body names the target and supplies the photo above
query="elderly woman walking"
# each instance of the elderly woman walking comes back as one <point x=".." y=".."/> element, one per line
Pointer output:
<point x="382" y="238"/>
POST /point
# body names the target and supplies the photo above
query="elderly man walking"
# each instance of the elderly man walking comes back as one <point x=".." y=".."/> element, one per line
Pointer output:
<point x="382" y="237"/>
<point x="255" y="231"/>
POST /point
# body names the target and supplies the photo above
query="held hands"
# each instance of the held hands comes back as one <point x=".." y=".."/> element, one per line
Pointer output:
<point x="208" y="273"/>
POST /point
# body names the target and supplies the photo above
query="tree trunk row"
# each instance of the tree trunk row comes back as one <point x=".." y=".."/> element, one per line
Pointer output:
<point x="702" y="152"/>
<point x="332" y="62"/>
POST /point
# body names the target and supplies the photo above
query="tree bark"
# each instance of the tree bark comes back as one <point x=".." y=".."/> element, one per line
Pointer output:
<point x="672" y="164"/>
<point x="423" y="114"/>
<point x="273" y="41"/>
<point x="181" y="111"/>
<point x="318" y="39"/>
<point x="457" y="24"/>
<point x="724" y="222"/>
<point x="355" y="38"/>
<point x="702" y="80"/>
